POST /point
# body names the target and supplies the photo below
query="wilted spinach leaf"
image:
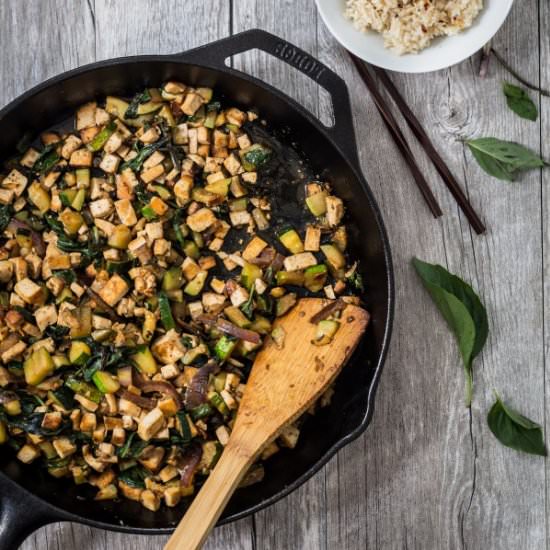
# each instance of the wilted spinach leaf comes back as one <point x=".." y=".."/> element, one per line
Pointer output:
<point x="6" y="213"/>
<point x="134" y="477"/>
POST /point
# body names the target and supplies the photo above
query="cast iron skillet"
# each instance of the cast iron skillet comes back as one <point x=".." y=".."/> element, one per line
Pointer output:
<point x="30" y="498"/>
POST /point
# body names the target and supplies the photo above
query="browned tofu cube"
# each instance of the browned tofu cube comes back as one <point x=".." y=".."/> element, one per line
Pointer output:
<point x="114" y="290"/>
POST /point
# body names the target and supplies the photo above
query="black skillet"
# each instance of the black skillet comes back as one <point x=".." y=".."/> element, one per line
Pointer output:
<point x="30" y="498"/>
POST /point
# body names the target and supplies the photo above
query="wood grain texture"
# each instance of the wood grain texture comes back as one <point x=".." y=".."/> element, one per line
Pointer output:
<point x="427" y="474"/>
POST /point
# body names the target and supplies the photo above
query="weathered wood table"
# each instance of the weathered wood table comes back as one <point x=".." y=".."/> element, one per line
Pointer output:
<point x="428" y="474"/>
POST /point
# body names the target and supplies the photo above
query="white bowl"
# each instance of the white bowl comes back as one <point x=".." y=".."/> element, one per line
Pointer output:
<point x="443" y="52"/>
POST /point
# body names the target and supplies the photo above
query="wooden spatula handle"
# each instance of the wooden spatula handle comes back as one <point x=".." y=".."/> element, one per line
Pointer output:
<point x="212" y="498"/>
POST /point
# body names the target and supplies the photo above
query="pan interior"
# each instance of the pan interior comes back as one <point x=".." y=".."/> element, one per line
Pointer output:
<point x="304" y="147"/>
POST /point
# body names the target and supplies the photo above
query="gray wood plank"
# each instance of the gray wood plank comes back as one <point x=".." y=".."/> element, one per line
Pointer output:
<point x="299" y="520"/>
<point x="426" y="474"/>
<point x="430" y="481"/>
<point x="544" y="25"/>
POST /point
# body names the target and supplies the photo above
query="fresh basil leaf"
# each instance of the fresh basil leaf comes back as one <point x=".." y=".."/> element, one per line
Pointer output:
<point x="519" y="102"/>
<point x="503" y="159"/>
<point x="515" y="430"/>
<point x="461" y="308"/>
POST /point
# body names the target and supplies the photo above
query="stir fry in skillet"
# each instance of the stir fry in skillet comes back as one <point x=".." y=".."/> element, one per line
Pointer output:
<point x="141" y="268"/>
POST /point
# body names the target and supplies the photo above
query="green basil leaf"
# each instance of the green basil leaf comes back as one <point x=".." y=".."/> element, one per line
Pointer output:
<point x="515" y="430"/>
<point x="461" y="308"/>
<point x="502" y="159"/>
<point x="519" y="102"/>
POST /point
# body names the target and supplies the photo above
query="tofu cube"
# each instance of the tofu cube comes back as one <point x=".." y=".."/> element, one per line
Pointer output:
<point x="191" y="103"/>
<point x="85" y="116"/>
<point x="126" y="212"/>
<point x="45" y="316"/>
<point x="29" y="291"/>
<point x="109" y="163"/>
<point x="254" y="248"/>
<point x="150" y="424"/>
<point x="313" y="238"/>
<point x="114" y="290"/>
<point x="335" y="210"/>
<point x="16" y="182"/>
<point x="70" y="145"/>
<point x="201" y="220"/>
<point x="300" y="261"/>
<point x="101" y="208"/>
<point x="81" y="157"/>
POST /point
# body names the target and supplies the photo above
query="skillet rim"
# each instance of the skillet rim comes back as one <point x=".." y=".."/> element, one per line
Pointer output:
<point x="351" y="159"/>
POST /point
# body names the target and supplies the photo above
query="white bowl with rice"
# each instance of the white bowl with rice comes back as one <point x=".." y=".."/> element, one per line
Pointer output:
<point x="414" y="36"/>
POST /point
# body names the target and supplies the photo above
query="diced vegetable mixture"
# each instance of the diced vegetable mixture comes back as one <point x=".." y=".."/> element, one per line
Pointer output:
<point x="141" y="268"/>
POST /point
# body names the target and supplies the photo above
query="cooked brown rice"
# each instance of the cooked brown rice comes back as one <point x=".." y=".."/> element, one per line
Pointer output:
<point x="409" y="26"/>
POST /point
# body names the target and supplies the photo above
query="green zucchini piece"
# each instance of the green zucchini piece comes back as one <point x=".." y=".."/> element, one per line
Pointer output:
<point x="166" y="316"/>
<point x="38" y="367"/>
<point x="173" y="279"/>
<point x="224" y="347"/>
<point x="317" y="203"/>
<point x="335" y="259"/>
<point x="79" y="353"/>
<point x="144" y="360"/>
<point x="326" y="329"/>
<point x="191" y="249"/>
<point x="249" y="274"/>
<point x="216" y="400"/>
<point x="211" y="452"/>
<point x="291" y="241"/>
<point x="83" y="388"/>
<point x="236" y="316"/>
<point x="162" y="192"/>
<point x="102" y="137"/>
<point x="315" y="277"/>
<point x="78" y="201"/>
<point x="194" y="287"/>
<point x="148" y="213"/>
<point x="105" y="382"/>
<point x="67" y="196"/>
<point x="290" y="278"/>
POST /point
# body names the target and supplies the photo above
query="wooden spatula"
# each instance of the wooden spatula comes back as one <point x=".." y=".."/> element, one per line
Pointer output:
<point x="283" y="383"/>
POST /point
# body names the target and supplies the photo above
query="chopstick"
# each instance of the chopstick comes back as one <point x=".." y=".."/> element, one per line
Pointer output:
<point x="398" y="137"/>
<point x="421" y="136"/>
<point x="438" y="162"/>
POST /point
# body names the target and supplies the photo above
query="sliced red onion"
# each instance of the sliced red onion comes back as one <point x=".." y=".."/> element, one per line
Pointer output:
<point x="160" y="386"/>
<point x="37" y="240"/>
<point x="265" y="258"/>
<point x="188" y="463"/>
<point x="277" y="262"/>
<point x="143" y="402"/>
<point x="195" y="394"/>
<point x="233" y="330"/>
<point x="328" y="310"/>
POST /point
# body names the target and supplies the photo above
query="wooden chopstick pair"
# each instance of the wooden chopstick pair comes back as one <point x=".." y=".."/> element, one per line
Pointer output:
<point x="424" y="140"/>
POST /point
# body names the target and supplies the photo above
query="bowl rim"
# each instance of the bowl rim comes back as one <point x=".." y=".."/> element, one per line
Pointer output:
<point x="344" y="32"/>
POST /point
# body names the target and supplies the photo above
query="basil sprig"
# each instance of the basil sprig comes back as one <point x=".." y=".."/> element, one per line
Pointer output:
<point x="463" y="311"/>
<point x="519" y="102"/>
<point x="503" y="159"/>
<point x="515" y="430"/>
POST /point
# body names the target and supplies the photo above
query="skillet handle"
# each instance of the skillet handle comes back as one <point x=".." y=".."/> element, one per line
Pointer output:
<point x="20" y="514"/>
<point x="215" y="54"/>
